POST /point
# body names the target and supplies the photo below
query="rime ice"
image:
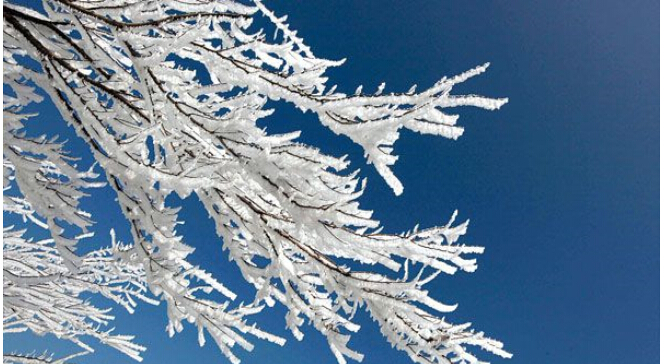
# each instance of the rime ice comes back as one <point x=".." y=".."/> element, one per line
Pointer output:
<point x="286" y="212"/>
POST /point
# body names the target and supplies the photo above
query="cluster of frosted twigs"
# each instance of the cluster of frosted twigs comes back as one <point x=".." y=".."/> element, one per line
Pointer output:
<point x="287" y="213"/>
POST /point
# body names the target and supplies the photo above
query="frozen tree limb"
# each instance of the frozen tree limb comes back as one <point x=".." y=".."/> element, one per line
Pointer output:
<point x="287" y="213"/>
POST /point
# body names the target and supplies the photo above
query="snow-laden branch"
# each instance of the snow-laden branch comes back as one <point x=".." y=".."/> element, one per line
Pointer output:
<point x="42" y="295"/>
<point x="287" y="213"/>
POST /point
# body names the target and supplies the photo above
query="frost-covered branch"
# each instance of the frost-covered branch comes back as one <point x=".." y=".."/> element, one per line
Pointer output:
<point x="32" y="358"/>
<point x="41" y="295"/>
<point x="287" y="213"/>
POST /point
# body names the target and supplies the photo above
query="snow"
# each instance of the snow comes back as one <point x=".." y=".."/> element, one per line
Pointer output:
<point x="272" y="198"/>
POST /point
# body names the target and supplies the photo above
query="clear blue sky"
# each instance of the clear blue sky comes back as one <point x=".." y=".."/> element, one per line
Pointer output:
<point x="561" y="185"/>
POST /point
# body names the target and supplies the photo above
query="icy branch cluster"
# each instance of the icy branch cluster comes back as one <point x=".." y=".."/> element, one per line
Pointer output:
<point x="287" y="214"/>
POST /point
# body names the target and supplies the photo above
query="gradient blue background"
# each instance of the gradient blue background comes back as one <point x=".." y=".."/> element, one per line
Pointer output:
<point x="561" y="185"/>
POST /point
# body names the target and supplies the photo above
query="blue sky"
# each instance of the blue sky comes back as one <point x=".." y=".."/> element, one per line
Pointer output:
<point x="561" y="185"/>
